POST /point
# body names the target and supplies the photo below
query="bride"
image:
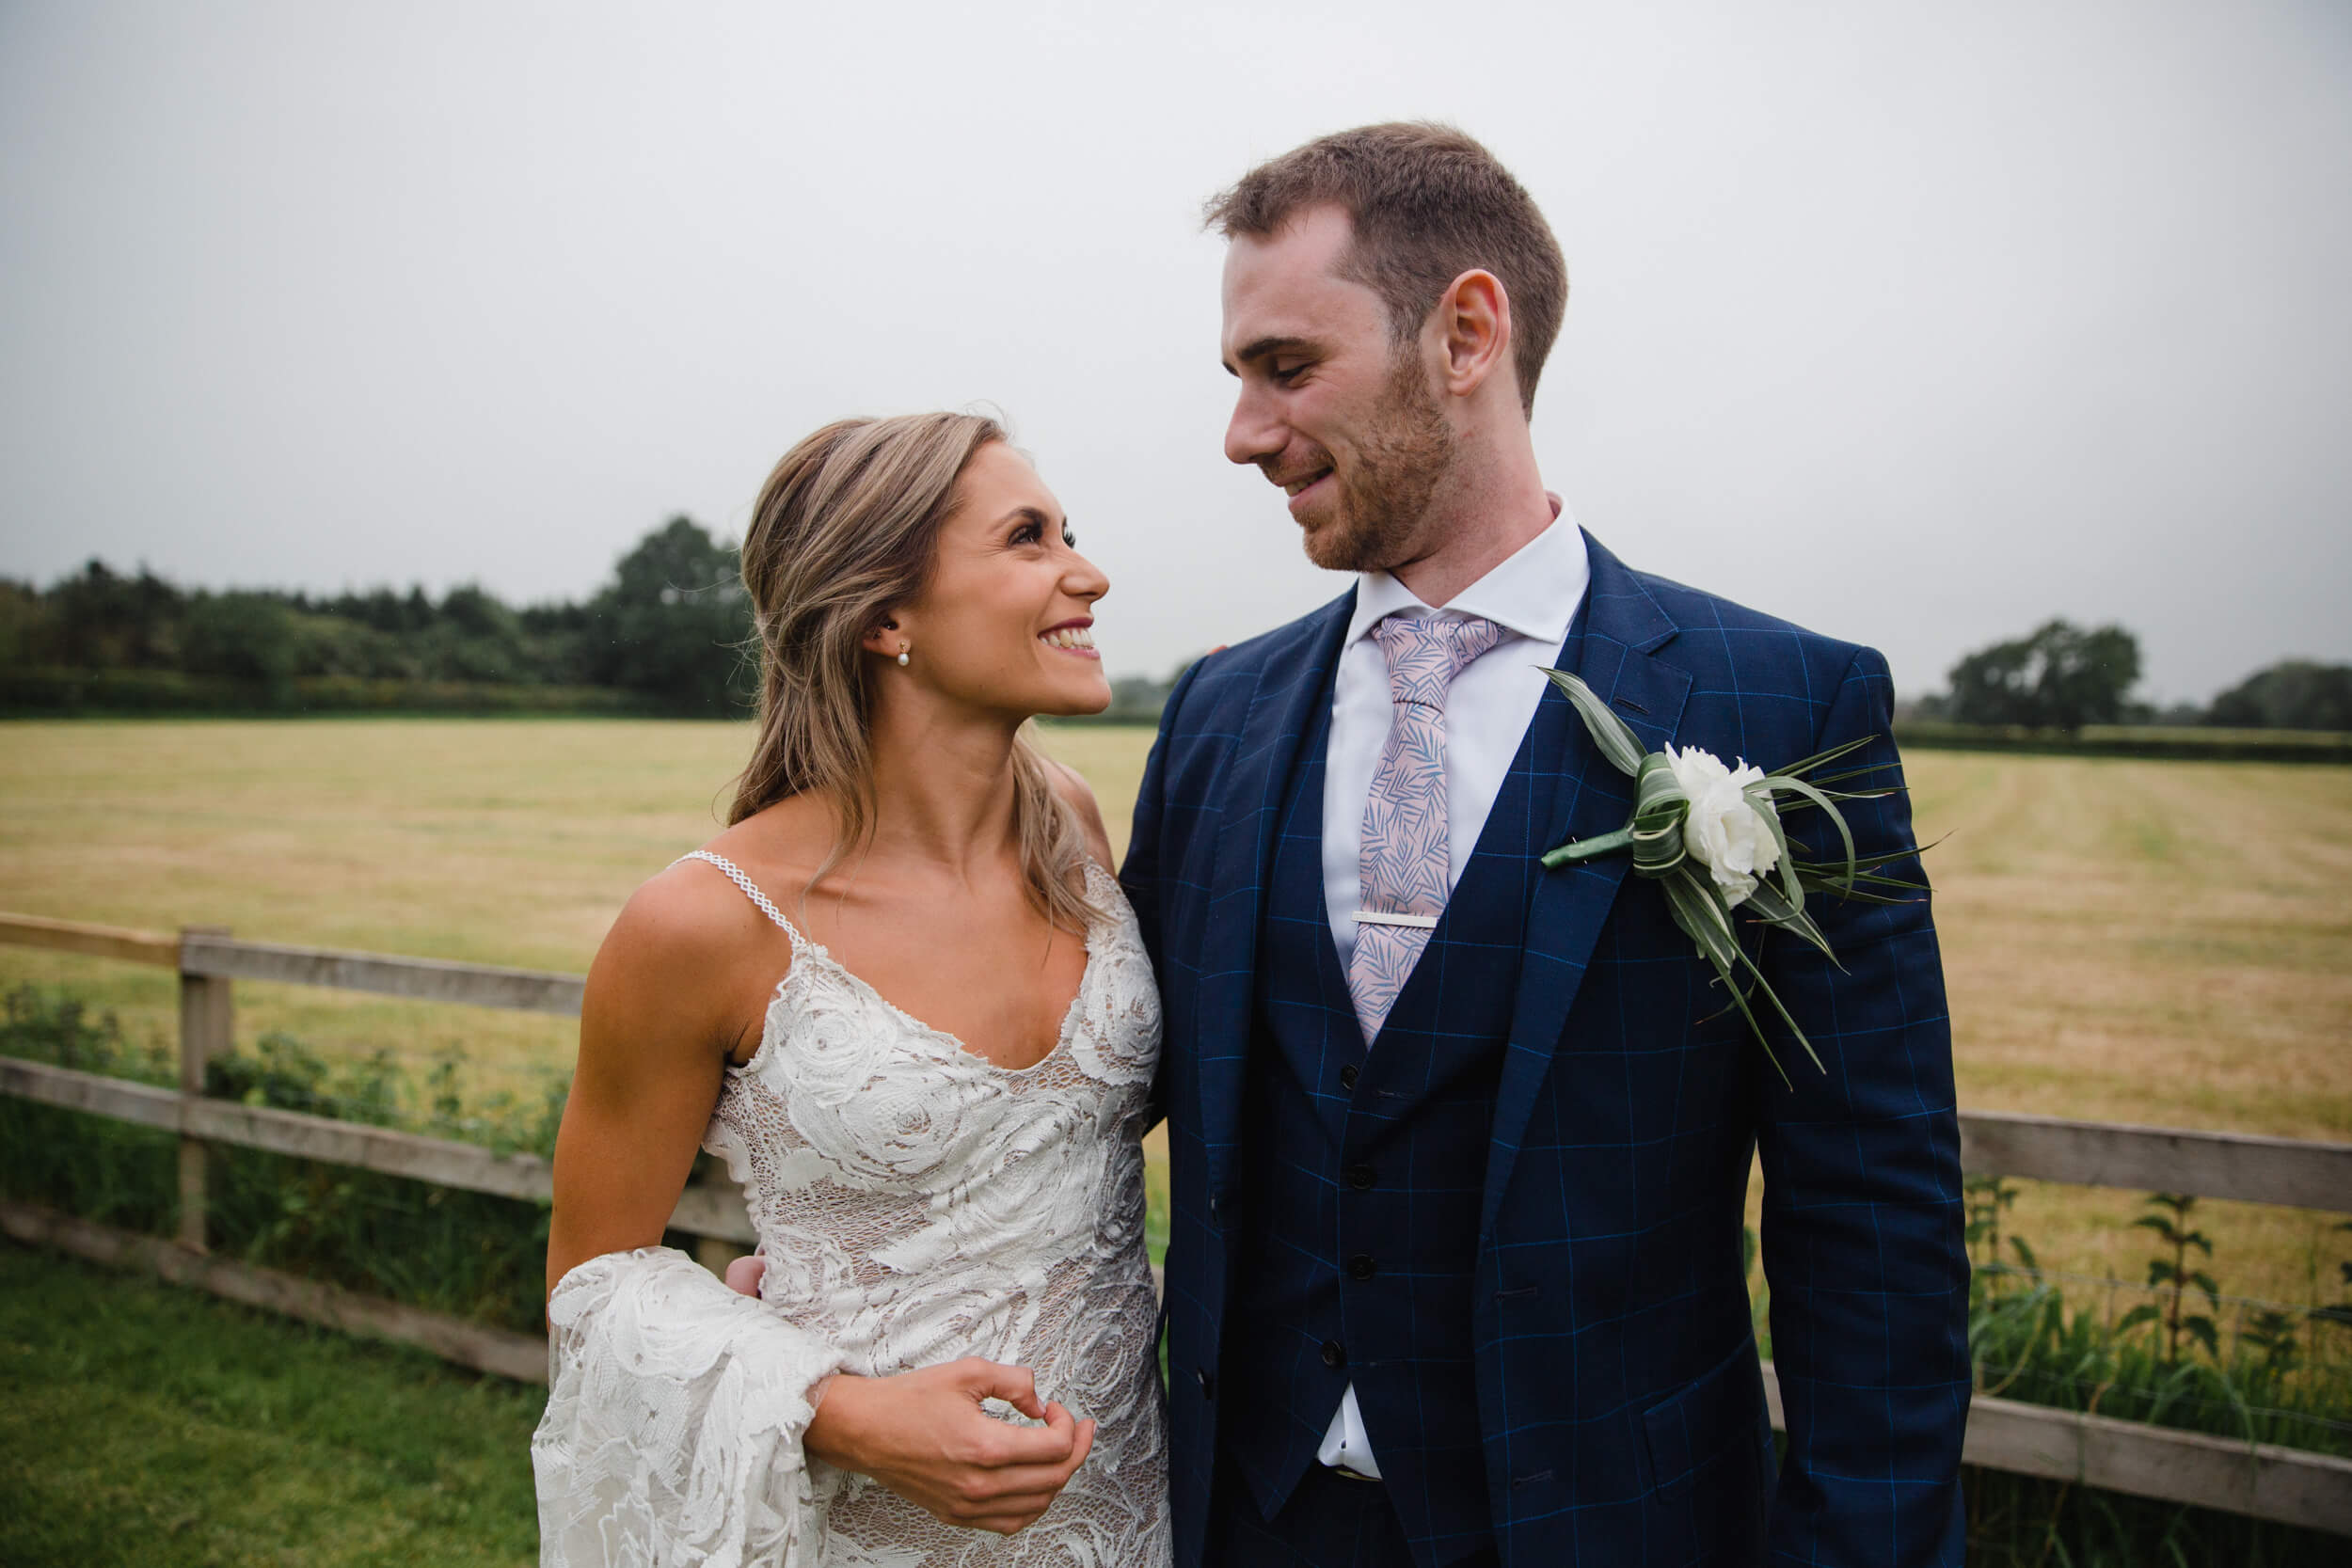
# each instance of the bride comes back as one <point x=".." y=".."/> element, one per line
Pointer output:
<point x="904" y="999"/>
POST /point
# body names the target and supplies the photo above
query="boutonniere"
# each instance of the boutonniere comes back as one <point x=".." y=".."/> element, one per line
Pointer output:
<point x="1712" y="837"/>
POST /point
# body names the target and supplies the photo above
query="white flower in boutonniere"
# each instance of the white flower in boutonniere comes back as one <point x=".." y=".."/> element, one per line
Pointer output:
<point x="1726" y="829"/>
<point x="1712" y="837"/>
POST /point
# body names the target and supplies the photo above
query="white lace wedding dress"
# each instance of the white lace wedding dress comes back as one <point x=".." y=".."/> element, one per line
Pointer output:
<point x="915" y="1203"/>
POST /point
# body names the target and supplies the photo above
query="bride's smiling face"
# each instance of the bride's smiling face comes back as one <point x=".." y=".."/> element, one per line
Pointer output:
<point x="1005" y="621"/>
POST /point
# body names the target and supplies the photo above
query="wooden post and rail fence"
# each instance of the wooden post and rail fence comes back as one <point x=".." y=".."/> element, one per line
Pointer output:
<point x="2263" y="1481"/>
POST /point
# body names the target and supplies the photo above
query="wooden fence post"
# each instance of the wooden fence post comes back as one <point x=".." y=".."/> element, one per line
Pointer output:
<point x="716" y="1252"/>
<point x="207" y="1030"/>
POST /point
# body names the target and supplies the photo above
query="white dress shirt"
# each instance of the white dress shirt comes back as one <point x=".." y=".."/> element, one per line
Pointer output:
<point x="1533" y="596"/>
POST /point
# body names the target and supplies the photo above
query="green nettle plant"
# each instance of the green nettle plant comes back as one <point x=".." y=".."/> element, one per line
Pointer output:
<point x="2276" y="1334"/>
<point x="2173" y="1225"/>
<point x="1987" y="1199"/>
<point x="2341" y="1312"/>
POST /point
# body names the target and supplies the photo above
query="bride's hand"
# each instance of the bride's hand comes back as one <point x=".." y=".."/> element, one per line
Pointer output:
<point x="924" y="1435"/>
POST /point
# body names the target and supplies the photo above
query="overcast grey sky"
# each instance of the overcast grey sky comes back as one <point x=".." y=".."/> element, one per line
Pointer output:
<point x="1918" y="323"/>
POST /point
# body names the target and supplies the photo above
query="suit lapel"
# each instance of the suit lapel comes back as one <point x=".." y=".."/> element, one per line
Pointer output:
<point x="1293" y="676"/>
<point x="1623" y="626"/>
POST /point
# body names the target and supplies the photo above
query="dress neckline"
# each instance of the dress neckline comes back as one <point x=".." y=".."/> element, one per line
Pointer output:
<point x="806" y="947"/>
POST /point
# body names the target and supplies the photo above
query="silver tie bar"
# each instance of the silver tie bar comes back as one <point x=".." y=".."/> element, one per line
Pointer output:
<point x="1422" y="922"/>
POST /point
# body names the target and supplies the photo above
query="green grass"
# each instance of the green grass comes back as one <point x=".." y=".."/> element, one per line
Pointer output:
<point x="150" y="1426"/>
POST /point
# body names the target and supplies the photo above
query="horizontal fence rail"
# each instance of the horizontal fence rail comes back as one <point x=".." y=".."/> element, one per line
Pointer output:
<point x="99" y="942"/>
<point x="520" y="1356"/>
<point x="443" y="1161"/>
<point x="2290" y="1172"/>
<point x="527" y="991"/>
<point x="2261" y="1480"/>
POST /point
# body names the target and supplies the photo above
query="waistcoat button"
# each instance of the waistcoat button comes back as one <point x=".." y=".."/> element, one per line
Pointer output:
<point x="1208" y="1382"/>
<point x="1347" y="1076"/>
<point x="1360" y="1178"/>
<point x="1334" y="1353"/>
<point x="1361" y="1266"/>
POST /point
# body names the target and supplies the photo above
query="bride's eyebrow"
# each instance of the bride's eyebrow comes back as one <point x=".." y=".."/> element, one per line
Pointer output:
<point x="1026" y="514"/>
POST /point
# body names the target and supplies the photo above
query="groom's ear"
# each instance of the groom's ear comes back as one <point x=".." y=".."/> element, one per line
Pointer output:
<point x="1472" y="320"/>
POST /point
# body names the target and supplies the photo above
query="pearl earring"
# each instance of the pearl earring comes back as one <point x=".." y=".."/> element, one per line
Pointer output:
<point x="903" y="658"/>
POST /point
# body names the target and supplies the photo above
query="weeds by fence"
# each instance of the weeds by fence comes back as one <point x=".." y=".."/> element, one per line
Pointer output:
<point x="2257" y="1374"/>
<point x="472" y="1256"/>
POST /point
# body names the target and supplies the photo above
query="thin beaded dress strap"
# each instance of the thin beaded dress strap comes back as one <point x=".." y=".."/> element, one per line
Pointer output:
<point x="751" y="889"/>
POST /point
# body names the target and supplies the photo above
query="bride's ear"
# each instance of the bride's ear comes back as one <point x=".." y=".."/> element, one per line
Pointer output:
<point x="886" y="638"/>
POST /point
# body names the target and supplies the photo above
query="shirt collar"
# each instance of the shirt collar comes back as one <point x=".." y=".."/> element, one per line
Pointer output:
<point x="1534" y="592"/>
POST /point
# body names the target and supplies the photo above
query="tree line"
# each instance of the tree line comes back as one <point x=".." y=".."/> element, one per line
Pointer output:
<point x="2061" y="676"/>
<point x="671" y="627"/>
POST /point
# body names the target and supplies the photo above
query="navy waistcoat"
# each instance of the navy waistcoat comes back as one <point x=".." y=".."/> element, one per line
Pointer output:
<point x="1364" y="1171"/>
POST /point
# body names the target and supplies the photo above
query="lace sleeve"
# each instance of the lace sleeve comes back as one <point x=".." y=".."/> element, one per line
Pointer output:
<point x="675" y="1410"/>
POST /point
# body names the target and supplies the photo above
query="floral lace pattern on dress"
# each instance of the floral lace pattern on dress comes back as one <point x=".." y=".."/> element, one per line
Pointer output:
<point x="915" y="1203"/>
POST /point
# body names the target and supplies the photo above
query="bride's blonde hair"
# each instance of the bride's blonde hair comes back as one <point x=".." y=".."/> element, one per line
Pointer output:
<point x="845" y="529"/>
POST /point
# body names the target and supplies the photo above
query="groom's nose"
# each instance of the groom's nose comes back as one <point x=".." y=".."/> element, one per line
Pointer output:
<point x="1253" y="434"/>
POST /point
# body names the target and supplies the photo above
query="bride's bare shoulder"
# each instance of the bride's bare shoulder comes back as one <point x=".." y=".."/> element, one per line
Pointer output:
<point x="1079" y="796"/>
<point x="693" y="923"/>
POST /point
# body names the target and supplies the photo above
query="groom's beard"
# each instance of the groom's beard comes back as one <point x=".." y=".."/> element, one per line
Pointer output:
<point x="1385" y="494"/>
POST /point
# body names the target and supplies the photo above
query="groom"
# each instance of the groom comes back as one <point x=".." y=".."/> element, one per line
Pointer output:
<point x="1459" y="1146"/>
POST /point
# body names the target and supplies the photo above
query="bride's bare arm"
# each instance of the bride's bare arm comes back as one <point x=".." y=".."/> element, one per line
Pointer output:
<point x="653" y="1042"/>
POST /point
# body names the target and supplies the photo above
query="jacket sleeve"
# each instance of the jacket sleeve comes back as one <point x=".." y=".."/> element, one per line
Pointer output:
<point x="675" y="1418"/>
<point x="1862" y="1212"/>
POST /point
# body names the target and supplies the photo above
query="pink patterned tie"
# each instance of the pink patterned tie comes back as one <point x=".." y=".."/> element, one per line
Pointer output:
<point x="1404" y="860"/>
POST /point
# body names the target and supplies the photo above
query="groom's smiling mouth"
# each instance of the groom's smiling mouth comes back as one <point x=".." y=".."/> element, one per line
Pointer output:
<point x="1306" y="485"/>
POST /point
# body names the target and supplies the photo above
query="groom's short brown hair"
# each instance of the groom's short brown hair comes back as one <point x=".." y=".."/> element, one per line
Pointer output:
<point x="1429" y="204"/>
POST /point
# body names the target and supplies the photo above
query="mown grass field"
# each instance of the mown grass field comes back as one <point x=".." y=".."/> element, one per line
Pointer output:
<point x="143" y="1425"/>
<point x="2165" y="943"/>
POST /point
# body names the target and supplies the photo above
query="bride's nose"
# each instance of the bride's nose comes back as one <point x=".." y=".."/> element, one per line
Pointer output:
<point x="1085" y="580"/>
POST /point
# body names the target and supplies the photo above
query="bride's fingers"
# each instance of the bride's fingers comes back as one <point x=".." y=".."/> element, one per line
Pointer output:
<point x="743" y="1275"/>
<point x="981" y="1443"/>
<point x="1007" y="1484"/>
<point x="1016" y="1385"/>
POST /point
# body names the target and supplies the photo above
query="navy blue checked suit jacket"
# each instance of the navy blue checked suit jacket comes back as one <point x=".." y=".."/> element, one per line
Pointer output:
<point x="1620" y="1407"/>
